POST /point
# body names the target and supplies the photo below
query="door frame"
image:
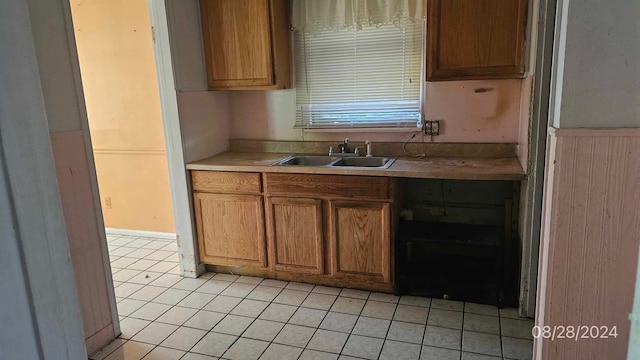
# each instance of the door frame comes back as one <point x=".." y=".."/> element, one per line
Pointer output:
<point x="180" y="185"/>
<point x="32" y="217"/>
<point x="543" y="26"/>
<point x="77" y="79"/>
<point x="538" y="128"/>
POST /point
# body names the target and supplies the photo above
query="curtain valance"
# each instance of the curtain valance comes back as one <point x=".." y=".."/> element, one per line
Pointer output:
<point x="314" y="16"/>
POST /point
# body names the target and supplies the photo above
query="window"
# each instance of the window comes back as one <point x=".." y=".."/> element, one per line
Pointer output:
<point x="366" y="78"/>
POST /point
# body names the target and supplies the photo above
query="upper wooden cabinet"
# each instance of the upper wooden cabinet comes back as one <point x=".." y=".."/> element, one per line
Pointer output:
<point x="475" y="39"/>
<point x="246" y="44"/>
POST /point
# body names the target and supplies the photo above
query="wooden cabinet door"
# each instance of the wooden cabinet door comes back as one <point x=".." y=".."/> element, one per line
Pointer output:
<point x="360" y="240"/>
<point x="295" y="235"/>
<point x="475" y="39"/>
<point x="237" y="42"/>
<point x="231" y="229"/>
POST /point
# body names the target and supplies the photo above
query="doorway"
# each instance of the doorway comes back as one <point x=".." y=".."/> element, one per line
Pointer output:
<point x="115" y="51"/>
<point x="114" y="43"/>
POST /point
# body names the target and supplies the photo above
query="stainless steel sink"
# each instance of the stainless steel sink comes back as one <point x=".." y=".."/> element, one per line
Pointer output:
<point x="307" y="160"/>
<point x="376" y="162"/>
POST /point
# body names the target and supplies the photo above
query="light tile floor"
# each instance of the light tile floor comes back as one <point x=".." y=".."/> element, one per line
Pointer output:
<point x="223" y="316"/>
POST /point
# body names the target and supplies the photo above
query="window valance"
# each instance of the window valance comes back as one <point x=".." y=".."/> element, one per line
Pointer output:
<point x="315" y="16"/>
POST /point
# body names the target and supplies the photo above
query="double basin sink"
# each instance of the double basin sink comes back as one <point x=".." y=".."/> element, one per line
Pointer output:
<point x="377" y="162"/>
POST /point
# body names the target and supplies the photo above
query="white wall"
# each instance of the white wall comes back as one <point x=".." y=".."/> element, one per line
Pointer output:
<point x="205" y="120"/>
<point x="598" y="73"/>
<point x="18" y="335"/>
<point x="59" y="75"/>
<point x="56" y="73"/>
<point x="196" y="121"/>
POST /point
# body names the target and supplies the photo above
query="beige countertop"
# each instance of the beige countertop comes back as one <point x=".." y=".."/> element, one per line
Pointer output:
<point x="459" y="168"/>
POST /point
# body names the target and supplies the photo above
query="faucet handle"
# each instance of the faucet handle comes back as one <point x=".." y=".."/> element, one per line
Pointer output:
<point x="330" y="150"/>
<point x="356" y="151"/>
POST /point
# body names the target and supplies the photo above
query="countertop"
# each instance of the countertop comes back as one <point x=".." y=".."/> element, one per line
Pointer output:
<point x="458" y="168"/>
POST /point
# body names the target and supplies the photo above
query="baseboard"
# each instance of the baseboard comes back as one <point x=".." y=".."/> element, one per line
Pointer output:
<point x="141" y="233"/>
<point x="100" y="339"/>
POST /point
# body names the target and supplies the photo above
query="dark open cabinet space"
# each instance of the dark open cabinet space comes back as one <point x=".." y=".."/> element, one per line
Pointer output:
<point x="459" y="241"/>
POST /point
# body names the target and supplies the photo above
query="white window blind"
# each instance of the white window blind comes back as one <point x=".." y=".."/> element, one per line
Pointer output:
<point x="366" y="78"/>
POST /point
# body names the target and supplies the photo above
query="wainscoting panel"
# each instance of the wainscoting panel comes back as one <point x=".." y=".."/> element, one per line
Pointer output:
<point x="74" y="182"/>
<point x="590" y="240"/>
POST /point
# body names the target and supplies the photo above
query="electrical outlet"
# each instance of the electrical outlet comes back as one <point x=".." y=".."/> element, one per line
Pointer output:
<point x="107" y="202"/>
<point x="431" y="127"/>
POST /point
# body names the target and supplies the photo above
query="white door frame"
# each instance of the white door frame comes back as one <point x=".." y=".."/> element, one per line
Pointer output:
<point x="75" y="64"/>
<point x="634" y="334"/>
<point x="32" y="218"/>
<point x="532" y="199"/>
<point x="190" y="265"/>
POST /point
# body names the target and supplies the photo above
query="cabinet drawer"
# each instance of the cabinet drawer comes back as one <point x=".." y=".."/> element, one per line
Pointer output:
<point x="226" y="182"/>
<point x="343" y="186"/>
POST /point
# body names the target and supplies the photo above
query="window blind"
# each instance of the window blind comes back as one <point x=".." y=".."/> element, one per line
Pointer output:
<point x="366" y="78"/>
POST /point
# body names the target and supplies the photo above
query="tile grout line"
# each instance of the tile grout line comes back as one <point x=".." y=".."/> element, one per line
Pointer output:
<point x="191" y="292"/>
<point x="354" y="325"/>
<point x="110" y="261"/>
<point x="257" y="317"/>
<point x="252" y="322"/>
<point x="178" y="326"/>
<point x="150" y="322"/>
<point x="464" y="305"/>
<point x="254" y="318"/>
<point x="500" y="334"/>
<point x="424" y="333"/>
<point x="155" y="321"/>
<point x="300" y="306"/>
<point x="389" y="328"/>
<point x="287" y="322"/>
<point x="358" y="318"/>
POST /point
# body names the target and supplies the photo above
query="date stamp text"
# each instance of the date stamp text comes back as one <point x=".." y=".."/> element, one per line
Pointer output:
<point x="574" y="332"/>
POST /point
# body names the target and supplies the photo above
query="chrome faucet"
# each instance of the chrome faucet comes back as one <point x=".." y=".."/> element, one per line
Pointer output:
<point x="344" y="147"/>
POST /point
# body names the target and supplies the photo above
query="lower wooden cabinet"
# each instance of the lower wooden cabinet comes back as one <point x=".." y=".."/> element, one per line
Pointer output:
<point x="296" y="241"/>
<point x="360" y="240"/>
<point x="231" y="229"/>
<point x="324" y="229"/>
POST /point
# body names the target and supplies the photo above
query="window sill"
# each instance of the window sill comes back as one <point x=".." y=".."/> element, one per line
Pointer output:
<point x="363" y="130"/>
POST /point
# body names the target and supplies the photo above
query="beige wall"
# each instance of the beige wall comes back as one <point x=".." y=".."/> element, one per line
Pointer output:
<point x="467" y="116"/>
<point x="119" y="78"/>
